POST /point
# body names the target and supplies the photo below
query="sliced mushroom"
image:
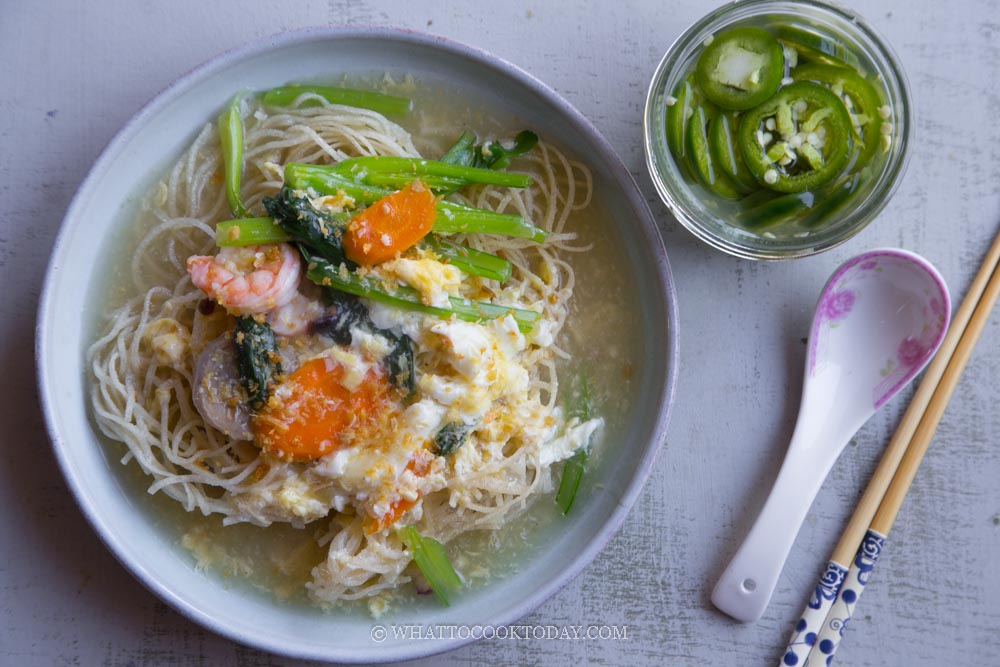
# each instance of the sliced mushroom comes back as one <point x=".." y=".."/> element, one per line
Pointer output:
<point x="218" y="394"/>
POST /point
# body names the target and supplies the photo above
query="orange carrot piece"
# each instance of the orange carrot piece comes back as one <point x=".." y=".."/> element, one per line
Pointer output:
<point x="318" y="415"/>
<point x="391" y="225"/>
<point x="396" y="510"/>
<point x="420" y="467"/>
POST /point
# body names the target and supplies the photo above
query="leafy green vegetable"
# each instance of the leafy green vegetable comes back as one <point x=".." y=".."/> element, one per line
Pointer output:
<point x="451" y="436"/>
<point x="573" y="469"/>
<point x="257" y="359"/>
<point x="325" y="274"/>
<point x="325" y="180"/>
<point x="493" y="155"/>
<point x="479" y="311"/>
<point x="452" y="218"/>
<point x="231" y="137"/>
<point x="360" y="166"/>
<point x="431" y="559"/>
<point x="363" y="99"/>
<point x="469" y="260"/>
<point x="569" y="483"/>
<point x="259" y="231"/>
<point x="437" y="184"/>
<point x="461" y="150"/>
<point x="400" y="361"/>
<point x="249" y="231"/>
<point x="349" y="313"/>
<point x="323" y="232"/>
<point x="460" y="219"/>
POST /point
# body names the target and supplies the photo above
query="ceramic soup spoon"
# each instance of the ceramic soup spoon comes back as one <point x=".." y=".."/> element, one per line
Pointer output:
<point x="879" y="320"/>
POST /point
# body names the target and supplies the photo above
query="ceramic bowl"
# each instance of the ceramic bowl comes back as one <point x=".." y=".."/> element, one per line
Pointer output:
<point x="144" y="148"/>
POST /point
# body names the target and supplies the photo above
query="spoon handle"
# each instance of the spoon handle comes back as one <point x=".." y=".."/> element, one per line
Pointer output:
<point x="745" y="587"/>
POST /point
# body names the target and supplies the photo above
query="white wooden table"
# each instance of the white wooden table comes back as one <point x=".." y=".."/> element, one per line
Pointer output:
<point x="72" y="73"/>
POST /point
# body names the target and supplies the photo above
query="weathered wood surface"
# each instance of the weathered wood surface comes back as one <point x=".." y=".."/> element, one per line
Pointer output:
<point x="74" y="72"/>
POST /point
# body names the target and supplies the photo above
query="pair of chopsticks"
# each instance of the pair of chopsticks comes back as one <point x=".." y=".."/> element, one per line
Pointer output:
<point x="820" y="629"/>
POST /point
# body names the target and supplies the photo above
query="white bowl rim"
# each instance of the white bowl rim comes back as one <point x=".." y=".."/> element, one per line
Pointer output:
<point x="645" y="226"/>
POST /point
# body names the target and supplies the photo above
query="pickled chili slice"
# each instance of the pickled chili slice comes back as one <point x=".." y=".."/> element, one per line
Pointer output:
<point x="700" y="157"/>
<point x="832" y="199"/>
<point x="774" y="209"/>
<point x="724" y="146"/>
<point x="766" y="209"/>
<point x="859" y="97"/>
<point x="806" y="143"/>
<point x="813" y="46"/>
<point x="740" y="68"/>
<point x="679" y="109"/>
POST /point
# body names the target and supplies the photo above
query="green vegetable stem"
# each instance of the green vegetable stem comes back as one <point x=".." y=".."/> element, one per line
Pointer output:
<point x="573" y="469"/>
<point x="433" y="563"/>
<point x="326" y="274"/>
<point x="231" y="137"/>
<point x="389" y="105"/>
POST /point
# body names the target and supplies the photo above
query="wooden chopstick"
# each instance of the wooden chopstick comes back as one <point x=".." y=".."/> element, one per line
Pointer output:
<point x="880" y="504"/>
<point x="898" y="445"/>
<point x="896" y="493"/>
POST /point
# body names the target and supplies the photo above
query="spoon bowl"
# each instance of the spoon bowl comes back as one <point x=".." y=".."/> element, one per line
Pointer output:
<point x="879" y="320"/>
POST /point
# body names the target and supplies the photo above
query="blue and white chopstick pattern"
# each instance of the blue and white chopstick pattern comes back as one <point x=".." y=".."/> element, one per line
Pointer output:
<point x="814" y="615"/>
<point x="819" y="631"/>
<point x="832" y="630"/>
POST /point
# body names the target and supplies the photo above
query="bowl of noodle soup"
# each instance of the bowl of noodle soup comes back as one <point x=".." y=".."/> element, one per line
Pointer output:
<point x="266" y="549"/>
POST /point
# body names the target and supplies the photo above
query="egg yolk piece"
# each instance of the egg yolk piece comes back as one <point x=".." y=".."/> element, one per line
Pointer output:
<point x="311" y="413"/>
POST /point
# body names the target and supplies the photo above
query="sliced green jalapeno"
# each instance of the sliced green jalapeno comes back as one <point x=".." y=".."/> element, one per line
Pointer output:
<point x="700" y="157"/>
<point x="809" y="145"/>
<point x="859" y="97"/>
<point x="807" y="209"/>
<point x="816" y="47"/>
<point x="740" y="68"/>
<point x="832" y="199"/>
<point x="724" y="146"/>
<point x="766" y="208"/>
<point x="679" y="109"/>
<point x="791" y="153"/>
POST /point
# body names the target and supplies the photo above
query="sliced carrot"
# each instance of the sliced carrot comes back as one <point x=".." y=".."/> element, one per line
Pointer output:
<point x="311" y="413"/>
<point x="391" y="225"/>
<point x="396" y="510"/>
<point x="400" y="507"/>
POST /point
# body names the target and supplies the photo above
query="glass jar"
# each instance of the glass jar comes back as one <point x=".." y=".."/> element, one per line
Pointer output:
<point x="712" y="219"/>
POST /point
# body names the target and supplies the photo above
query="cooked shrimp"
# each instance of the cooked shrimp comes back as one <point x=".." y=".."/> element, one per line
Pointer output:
<point x="251" y="279"/>
<point x="294" y="317"/>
